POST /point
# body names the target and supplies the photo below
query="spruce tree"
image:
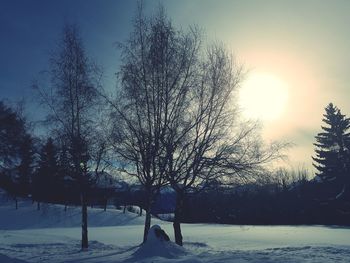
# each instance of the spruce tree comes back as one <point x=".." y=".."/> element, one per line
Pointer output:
<point x="16" y="151"/>
<point x="12" y="132"/>
<point x="25" y="167"/>
<point x="47" y="172"/>
<point x="48" y="159"/>
<point x="332" y="144"/>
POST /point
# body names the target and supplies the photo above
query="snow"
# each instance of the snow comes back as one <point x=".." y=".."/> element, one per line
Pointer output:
<point x="52" y="235"/>
<point x="157" y="247"/>
<point x="50" y="215"/>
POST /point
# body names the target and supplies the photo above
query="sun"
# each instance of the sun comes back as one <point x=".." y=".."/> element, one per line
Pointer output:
<point x="263" y="96"/>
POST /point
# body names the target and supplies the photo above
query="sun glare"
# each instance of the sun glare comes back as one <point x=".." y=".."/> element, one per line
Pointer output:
<point x="263" y="96"/>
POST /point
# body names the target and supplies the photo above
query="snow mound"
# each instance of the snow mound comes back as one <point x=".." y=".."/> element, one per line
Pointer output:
<point x="157" y="246"/>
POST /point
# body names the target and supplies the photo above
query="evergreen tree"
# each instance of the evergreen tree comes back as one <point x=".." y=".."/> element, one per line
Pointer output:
<point x="25" y="168"/>
<point x="12" y="130"/>
<point x="64" y="165"/>
<point x="48" y="159"/>
<point x="332" y="144"/>
<point x="65" y="176"/>
<point x="47" y="173"/>
<point x="16" y="151"/>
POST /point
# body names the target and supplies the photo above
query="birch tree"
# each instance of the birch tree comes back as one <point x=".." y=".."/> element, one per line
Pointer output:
<point x="176" y="117"/>
<point x="72" y="101"/>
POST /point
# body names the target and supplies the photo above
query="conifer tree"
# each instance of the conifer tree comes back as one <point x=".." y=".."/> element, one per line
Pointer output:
<point x="25" y="167"/>
<point x="332" y="144"/>
<point x="10" y="124"/>
<point x="47" y="172"/>
<point x="16" y="151"/>
<point x="48" y="158"/>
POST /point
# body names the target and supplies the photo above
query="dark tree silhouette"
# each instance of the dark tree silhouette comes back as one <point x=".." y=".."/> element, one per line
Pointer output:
<point x="176" y="120"/>
<point x="146" y="73"/>
<point x="332" y="148"/>
<point x="45" y="182"/>
<point x="16" y="152"/>
<point x="48" y="163"/>
<point x="10" y="125"/>
<point x="206" y="142"/>
<point x="25" y="167"/>
<point x="73" y="102"/>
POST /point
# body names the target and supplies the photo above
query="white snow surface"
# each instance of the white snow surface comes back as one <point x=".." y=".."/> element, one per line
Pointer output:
<point x="53" y="235"/>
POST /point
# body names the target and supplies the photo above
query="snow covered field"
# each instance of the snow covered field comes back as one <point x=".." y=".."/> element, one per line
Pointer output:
<point x="53" y="235"/>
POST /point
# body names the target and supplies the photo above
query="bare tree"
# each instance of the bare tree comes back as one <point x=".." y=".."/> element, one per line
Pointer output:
<point x="157" y="64"/>
<point x="207" y="143"/>
<point x="177" y="120"/>
<point x="72" y="101"/>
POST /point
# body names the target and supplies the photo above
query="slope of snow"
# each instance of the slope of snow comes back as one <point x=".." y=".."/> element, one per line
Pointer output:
<point x="52" y="235"/>
<point x="49" y="215"/>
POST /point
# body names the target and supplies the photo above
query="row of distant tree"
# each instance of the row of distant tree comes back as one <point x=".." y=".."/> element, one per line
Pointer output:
<point x="32" y="167"/>
<point x="272" y="202"/>
<point x="282" y="197"/>
<point x="287" y="197"/>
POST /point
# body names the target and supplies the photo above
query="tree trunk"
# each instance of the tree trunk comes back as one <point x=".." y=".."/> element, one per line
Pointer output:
<point x="16" y="202"/>
<point x="38" y="205"/>
<point x="140" y="214"/>
<point x="147" y="224"/>
<point x="84" y="229"/>
<point x="148" y="217"/>
<point x="124" y="209"/>
<point x="178" y="219"/>
<point x="105" y="204"/>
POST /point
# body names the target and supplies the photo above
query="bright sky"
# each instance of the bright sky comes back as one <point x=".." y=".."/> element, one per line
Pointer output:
<point x="296" y="52"/>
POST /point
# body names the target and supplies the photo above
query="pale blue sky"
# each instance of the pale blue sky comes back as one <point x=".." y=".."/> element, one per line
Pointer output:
<point x="304" y="43"/>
